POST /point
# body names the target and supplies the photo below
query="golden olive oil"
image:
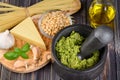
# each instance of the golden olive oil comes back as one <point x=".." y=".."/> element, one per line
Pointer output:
<point x="101" y="14"/>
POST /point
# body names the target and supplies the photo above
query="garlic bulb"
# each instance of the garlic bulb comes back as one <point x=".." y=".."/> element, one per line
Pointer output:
<point x="6" y="40"/>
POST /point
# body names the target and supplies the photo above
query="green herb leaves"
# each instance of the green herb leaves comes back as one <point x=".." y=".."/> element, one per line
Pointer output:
<point x="26" y="47"/>
<point x="11" y="55"/>
<point x="18" y="52"/>
<point x="24" y="55"/>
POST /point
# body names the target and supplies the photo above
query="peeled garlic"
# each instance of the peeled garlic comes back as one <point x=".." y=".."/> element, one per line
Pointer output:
<point x="19" y="63"/>
<point x="6" y="40"/>
<point x="36" y="52"/>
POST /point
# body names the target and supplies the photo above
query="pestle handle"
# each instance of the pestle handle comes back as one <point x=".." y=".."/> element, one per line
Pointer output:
<point x="99" y="38"/>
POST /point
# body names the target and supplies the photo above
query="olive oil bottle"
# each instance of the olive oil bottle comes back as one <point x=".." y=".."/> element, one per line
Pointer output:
<point x="101" y="12"/>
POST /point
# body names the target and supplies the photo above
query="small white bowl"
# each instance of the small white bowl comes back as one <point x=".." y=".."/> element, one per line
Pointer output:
<point x="40" y="21"/>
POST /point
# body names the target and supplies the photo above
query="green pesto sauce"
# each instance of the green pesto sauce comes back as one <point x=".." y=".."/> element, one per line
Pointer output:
<point x="67" y="49"/>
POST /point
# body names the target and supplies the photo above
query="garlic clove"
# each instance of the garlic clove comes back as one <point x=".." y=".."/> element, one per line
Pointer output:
<point x="6" y="40"/>
<point x="19" y="63"/>
<point x="36" y="53"/>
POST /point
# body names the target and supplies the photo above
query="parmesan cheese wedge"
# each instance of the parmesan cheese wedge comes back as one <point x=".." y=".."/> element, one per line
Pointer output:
<point x="27" y="31"/>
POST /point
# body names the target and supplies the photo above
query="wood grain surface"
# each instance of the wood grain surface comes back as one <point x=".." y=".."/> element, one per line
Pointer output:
<point x="112" y="67"/>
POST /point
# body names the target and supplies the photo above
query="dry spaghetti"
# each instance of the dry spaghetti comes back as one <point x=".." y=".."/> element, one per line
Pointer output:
<point x="12" y="15"/>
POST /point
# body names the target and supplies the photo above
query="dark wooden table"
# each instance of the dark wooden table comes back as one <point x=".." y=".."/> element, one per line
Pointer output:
<point x="112" y="67"/>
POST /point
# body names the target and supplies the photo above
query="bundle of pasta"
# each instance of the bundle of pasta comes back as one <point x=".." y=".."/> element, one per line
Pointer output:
<point x="11" y="15"/>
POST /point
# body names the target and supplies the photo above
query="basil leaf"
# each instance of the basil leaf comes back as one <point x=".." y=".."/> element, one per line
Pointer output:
<point x="11" y="55"/>
<point x="17" y="50"/>
<point x="24" y="55"/>
<point x="26" y="47"/>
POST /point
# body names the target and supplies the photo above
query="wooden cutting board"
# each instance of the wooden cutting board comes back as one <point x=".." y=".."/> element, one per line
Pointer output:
<point x="29" y="65"/>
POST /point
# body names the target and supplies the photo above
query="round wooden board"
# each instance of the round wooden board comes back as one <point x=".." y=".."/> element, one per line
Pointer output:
<point x="44" y="57"/>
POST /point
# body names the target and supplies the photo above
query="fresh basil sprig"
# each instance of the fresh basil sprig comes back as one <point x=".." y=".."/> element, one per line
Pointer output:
<point x="18" y="52"/>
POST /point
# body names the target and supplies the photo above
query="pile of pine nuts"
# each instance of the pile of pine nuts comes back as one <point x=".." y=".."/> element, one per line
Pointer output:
<point x="54" y="21"/>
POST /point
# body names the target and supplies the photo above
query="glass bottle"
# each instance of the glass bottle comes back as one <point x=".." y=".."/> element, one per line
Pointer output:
<point x="101" y="12"/>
